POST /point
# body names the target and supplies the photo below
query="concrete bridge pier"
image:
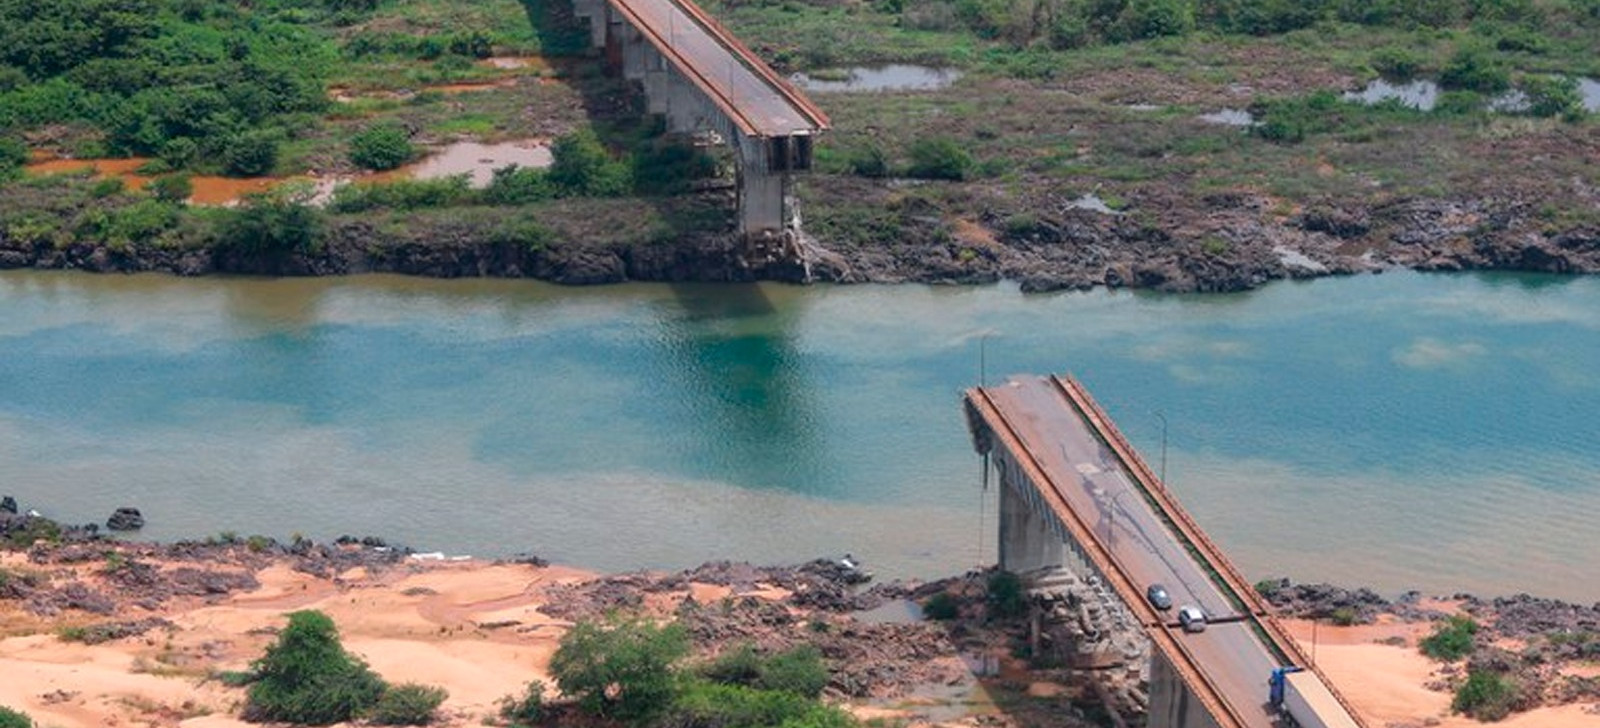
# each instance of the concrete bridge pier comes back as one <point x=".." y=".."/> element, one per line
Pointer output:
<point x="1027" y="542"/>
<point x="1172" y="703"/>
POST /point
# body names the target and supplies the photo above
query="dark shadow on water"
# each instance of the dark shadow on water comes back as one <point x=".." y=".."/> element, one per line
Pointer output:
<point x="1524" y="281"/>
<point x="745" y="387"/>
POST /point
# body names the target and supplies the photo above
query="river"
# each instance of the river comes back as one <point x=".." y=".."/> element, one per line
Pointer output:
<point x="1398" y="431"/>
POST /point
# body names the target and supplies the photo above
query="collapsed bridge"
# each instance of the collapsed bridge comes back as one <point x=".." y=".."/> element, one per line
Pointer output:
<point x="703" y="81"/>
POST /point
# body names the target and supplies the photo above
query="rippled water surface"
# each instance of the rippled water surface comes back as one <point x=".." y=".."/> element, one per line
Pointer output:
<point x="1401" y="430"/>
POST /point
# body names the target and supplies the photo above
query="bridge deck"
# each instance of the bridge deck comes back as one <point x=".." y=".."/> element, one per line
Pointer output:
<point x="1141" y="535"/>
<point x="760" y="101"/>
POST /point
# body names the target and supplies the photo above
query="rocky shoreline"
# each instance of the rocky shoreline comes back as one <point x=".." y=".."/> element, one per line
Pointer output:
<point x="1232" y="242"/>
<point x="94" y="590"/>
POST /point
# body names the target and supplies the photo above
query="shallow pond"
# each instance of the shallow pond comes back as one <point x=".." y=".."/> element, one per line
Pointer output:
<point x="1419" y="95"/>
<point x="479" y="161"/>
<point x="893" y="77"/>
<point x="1230" y="117"/>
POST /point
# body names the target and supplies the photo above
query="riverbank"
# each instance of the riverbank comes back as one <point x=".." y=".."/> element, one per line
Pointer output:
<point x="101" y="632"/>
<point x="1233" y="242"/>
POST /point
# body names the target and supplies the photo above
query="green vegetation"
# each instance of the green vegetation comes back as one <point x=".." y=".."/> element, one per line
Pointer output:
<point x="1060" y="97"/>
<point x="407" y="704"/>
<point x="527" y="710"/>
<point x="941" y="607"/>
<point x="1487" y="696"/>
<point x="620" y="669"/>
<point x="799" y="670"/>
<point x="381" y="146"/>
<point x="307" y="677"/>
<point x="1006" y="598"/>
<point x="12" y="719"/>
<point x="1451" y="640"/>
<point x="628" y="670"/>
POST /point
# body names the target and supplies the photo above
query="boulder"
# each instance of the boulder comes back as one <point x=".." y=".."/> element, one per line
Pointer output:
<point x="126" y="518"/>
<point x="8" y="504"/>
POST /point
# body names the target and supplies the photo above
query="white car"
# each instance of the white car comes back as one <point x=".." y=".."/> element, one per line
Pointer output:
<point x="1192" y="618"/>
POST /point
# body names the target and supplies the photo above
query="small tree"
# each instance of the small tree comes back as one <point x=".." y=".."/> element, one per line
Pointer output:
<point x="621" y="668"/>
<point x="307" y="677"/>
<point x="381" y="146"/>
<point x="12" y="719"/>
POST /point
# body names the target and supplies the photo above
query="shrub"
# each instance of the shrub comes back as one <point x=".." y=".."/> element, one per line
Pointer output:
<point x="738" y="666"/>
<point x="171" y="188"/>
<point x="307" y="677"/>
<point x="621" y="668"/>
<point x="1475" y="69"/>
<point x="942" y="606"/>
<point x="1397" y="63"/>
<point x="13" y="154"/>
<point x="1291" y="120"/>
<point x="1345" y="616"/>
<point x="402" y="194"/>
<point x="1553" y="96"/>
<point x="1005" y="595"/>
<point x="269" y="225"/>
<point x="939" y="159"/>
<point x="251" y="153"/>
<point x="1458" y="103"/>
<point x="179" y="152"/>
<point x="1485" y="695"/>
<point x="381" y="146"/>
<point x="737" y="706"/>
<point x="868" y="160"/>
<point x="1451" y="640"/>
<point x="514" y="185"/>
<point x="526" y="711"/>
<point x="666" y="166"/>
<point x="1154" y="18"/>
<point x="799" y="670"/>
<point x="12" y="719"/>
<point x="407" y="704"/>
<point x="581" y="166"/>
<point x="139" y="222"/>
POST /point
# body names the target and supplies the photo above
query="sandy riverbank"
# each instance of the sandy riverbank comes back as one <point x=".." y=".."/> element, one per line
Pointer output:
<point x="477" y="629"/>
<point x="470" y="627"/>
<point x="1379" y="669"/>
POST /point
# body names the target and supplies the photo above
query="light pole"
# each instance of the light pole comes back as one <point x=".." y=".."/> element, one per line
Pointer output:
<point x="1163" y="419"/>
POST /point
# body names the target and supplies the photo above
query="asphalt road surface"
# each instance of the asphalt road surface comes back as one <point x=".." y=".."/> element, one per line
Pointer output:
<point x="767" y="110"/>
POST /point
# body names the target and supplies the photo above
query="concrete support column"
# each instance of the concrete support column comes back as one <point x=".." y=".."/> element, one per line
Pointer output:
<point x="1027" y="542"/>
<point x="1171" y="703"/>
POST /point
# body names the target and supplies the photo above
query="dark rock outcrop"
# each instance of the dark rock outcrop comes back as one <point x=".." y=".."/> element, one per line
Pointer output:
<point x="126" y="518"/>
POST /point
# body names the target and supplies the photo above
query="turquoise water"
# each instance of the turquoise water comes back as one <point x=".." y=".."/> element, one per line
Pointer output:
<point x="1398" y="431"/>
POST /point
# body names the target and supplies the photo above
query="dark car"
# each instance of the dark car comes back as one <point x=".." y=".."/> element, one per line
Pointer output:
<point x="1158" y="596"/>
